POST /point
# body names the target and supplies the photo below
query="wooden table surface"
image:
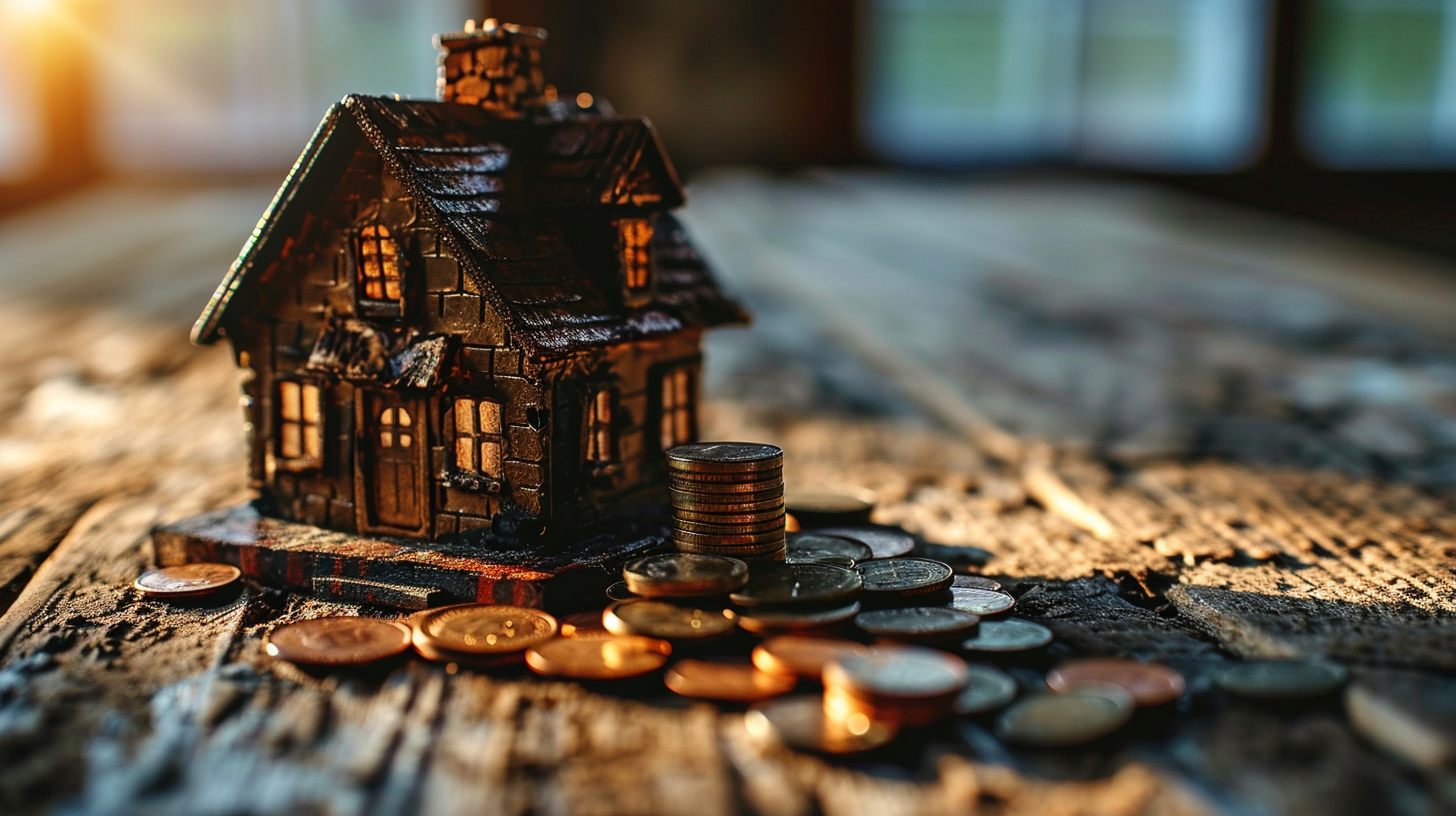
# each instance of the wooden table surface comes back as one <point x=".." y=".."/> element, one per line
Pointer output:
<point x="1177" y="432"/>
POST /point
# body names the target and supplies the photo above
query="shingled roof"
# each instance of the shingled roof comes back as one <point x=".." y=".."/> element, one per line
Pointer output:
<point x="493" y="187"/>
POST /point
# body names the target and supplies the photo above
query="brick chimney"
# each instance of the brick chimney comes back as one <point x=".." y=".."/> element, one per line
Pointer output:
<point x="495" y="66"/>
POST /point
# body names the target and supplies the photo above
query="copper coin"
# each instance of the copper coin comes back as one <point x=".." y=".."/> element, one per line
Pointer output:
<point x="728" y="539"/>
<point x="745" y="553"/>
<point x="581" y="623"/>
<point x="1150" y="684"/>
<point x="726" y="681"/>
<point x="918" y="624"/>
<point x="748" y="527"/>
<point x="1009" y="635"/>
<point x="883" y="542"/>
<point x="719" y="488"/>
<point x="731" y="515"/>
<point x="800" y="723"/>
<point x="825" y="508"/>
<point x="899" y="673"/>
<point x="683" y="504"/>
<point x="980" y="601"/>
<point x="801" y="656"/>
<point x="694" y="477"/>
<point x="725" y="456"/>
<point x="338" y="641"/>
<point x="799" y="585"/>
<point x="1061" y="720"/>
<point x="770" y="621"/>
<point x="186" y="580"/>
<point x="974" y="582"/>
<point x="987" y="689"/>
<point x="1282" y="679"/>
<point x="668" y="621"/>
<point x="483" y="629"/>
<point x="478" y="661"/>
<point x="814" y="547"/>
<point x="684" y="575"/>
<point x="598" y="657"/>
<point x="891" y="579"/>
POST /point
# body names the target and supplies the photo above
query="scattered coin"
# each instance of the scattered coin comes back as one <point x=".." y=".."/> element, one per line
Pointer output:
<point x="481" y="629"/>
<point x="974" y="582"/>
<point x="1408" y="713"/>
<point x="725" y="457"/>
<point x="826" y="508"/>
<point x="669" y="621"/>
<point x="1009" y="635"/>
<point x="620" y="592"/>
<point x="791" y="524"/>
<point x="581" y="623"/>
<point x="186" y="580"/>
<point x="806" y="548"/>
<point x="799" y="585"/>
<point x="768" y="621"/>
<point x="1282" y="679"/>
<point x="800" y="723"/>
<point x="892" y="580"/>
<point x="1150" y="684"/>
<point x="899" y="685"/>
<point x="980" y="601"/>
<point x="801" y="656"/>
<point x="729" y="681"/>
<point x="987" y="689"/>
<point x="918" y="624"/>
<point x="684" y="575"/>
<point x="1061" y="720"/>
<point x="598" y="656"/>
<point x="883" y="542"/>
<point x="338" y="641"/>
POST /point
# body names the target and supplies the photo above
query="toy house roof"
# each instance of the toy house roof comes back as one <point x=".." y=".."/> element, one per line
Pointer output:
<point x="494" y="188"/>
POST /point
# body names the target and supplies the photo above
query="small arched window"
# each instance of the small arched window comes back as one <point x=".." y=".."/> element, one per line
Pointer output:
<point x="379" y="267"/>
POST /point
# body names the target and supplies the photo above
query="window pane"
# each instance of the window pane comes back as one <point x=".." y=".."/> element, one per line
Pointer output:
<point x="465" y="416"/>
<point x="490" y="418"/>
<point x="311" y="411"/>
<point x="490" y="458"/>
<point x="290" y="443"/>
<point x="680" y="379"/>
<point x="683" y="430"/>
<point x="386" y="439"/>
<point x="465" y="453"/>
<point x="313" y="447"/>
<point x="289" y="401"/>
<point x="387" y="417"/>
<point x="405" y="420"/>
<point x="604" y="406"/>
<point x="405" y="440"/>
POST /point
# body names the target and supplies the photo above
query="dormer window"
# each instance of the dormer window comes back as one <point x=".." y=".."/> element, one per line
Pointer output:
<point x="634" y="248"/>
<point x="380" y="283"/>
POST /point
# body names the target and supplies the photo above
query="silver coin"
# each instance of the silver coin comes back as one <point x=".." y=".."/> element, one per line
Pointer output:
<point x="900" y="672"/>
<point x="782" y="621"/>
<point x="883" y="542"/>
<point x="1282" y="679"/>
<point x="724" y="456"/>
<point x="890" y="578"/>
<point x="975" y="582"/>
<point x="1010" y="635"/>
<point x="918" y="624"/>
<point x="814" y="546"/>
<point x="1060" y="720"/>
<point x="980" y="601"/>
<point x="799" y="585"/>
<point x="988" y="689"/>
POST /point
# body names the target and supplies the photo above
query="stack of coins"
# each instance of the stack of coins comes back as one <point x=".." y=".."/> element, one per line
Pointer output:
<point x="728" y="499"/>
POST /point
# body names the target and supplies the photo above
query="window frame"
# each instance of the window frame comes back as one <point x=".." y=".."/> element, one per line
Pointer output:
<point x="385" y="244"/>
<point x="479" y="437"/>
<point x="677" y="403"/>
<point x="306" y="452"/>
<point x="601" y="448"/>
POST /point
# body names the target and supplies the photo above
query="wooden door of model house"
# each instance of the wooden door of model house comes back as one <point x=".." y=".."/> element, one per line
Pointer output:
<point x="390" y="489"/>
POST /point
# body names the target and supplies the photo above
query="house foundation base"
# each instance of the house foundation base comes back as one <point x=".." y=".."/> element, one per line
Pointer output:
<point x="555" y="575"/>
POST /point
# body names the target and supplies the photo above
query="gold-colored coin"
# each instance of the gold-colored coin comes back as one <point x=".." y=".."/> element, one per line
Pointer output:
<point x="705" y="477"/>
<point x="338" y="641"/>
<point x="720" y="488"/>
<point x="690" y="503"/>
<point x="800" y="723"/>
<point x="725" y="681"/>
<point x="598" y="656"/>
<point x="741" y="552"/>
<point x="800" y="656"/>
<point x="186" y="580"/>
<point x="730" y="516"/>
<point x="747" y="527"/>
<point x="483" y="629"/>
<point x="728" y="540"/>
<point x="669" y="621"/>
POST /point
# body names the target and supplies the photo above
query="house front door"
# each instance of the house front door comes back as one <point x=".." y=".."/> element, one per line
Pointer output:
<point x="392" y="446"/>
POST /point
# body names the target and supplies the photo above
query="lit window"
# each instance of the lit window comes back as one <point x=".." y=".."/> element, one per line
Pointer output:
<point x="300" y="424"/>
<point x="677" y="407"/>
<point x="634" y="241"/>
<point x="379" y="278"/>
<point x="396" y="428"/>
<point x="599" y="448"/>
<point x="478" y="436"/>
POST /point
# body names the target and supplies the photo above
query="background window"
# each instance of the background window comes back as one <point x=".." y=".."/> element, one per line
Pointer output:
<point x="379" y="265"/>
<point x="677" y="407"/>
<point x="300" y="426"/>
<point x="634" y="239"/>
<point x="599" y="448"/>
<point x="478" y="437"/>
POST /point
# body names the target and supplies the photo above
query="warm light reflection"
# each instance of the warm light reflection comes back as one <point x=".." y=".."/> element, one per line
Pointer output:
<point x="28" y="8"/>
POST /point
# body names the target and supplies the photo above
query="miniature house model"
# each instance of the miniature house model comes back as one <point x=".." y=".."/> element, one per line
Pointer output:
<point x="470" y="309"/>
